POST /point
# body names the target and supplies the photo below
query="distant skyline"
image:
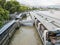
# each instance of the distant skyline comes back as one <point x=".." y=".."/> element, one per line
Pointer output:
<point x="38" y="3"/>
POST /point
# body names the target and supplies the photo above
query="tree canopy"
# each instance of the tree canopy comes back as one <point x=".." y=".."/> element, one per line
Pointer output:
<point x="4" y="15"/>
<point x="9" y="7"/>
<point x="12" y="6"/>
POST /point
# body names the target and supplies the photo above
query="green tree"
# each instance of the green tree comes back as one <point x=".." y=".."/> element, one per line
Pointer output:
<point x="1" y="23"/>
<point x="12" y="6"/>
<point x="23" y="8"/>
<point x="2" y="2"/>
<point x="4" y="15"/>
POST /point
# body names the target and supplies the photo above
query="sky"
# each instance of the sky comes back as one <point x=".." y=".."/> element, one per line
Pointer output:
<point x="39" y="2"/>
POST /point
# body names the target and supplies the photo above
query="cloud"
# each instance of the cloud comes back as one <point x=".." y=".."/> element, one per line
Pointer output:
<point x="40" y="2"/>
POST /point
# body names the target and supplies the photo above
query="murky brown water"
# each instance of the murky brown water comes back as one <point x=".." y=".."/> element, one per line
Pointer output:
<point x="26" y="35"/>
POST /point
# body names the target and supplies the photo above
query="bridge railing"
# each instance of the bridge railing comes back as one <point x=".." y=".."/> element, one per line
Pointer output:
<point x="7" y="31"/>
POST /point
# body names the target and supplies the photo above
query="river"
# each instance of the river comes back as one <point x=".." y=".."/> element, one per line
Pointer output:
<point x="51" y="13"/>
<point x="26" y="35"/>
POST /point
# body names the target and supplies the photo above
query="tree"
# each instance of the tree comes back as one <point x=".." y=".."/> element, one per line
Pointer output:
<point x="12" y="6"/>
<point x="1" y="23"/>
<point x="23" y="8"/>
<point x="4" y="15"/>
<point x="2" y="2"/>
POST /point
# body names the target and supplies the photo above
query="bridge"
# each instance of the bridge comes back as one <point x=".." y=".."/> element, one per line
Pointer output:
<point x="40" y="21"/>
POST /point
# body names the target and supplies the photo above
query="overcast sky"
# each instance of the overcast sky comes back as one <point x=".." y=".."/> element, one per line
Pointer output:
<point x="40" y="2"/>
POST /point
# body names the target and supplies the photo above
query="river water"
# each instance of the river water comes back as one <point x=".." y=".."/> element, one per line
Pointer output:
<point x="51" y="13"/>
<point x="26" y="35"/>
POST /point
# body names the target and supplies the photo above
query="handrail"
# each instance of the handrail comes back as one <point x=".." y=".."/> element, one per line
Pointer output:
<point x="6" y="26"/>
